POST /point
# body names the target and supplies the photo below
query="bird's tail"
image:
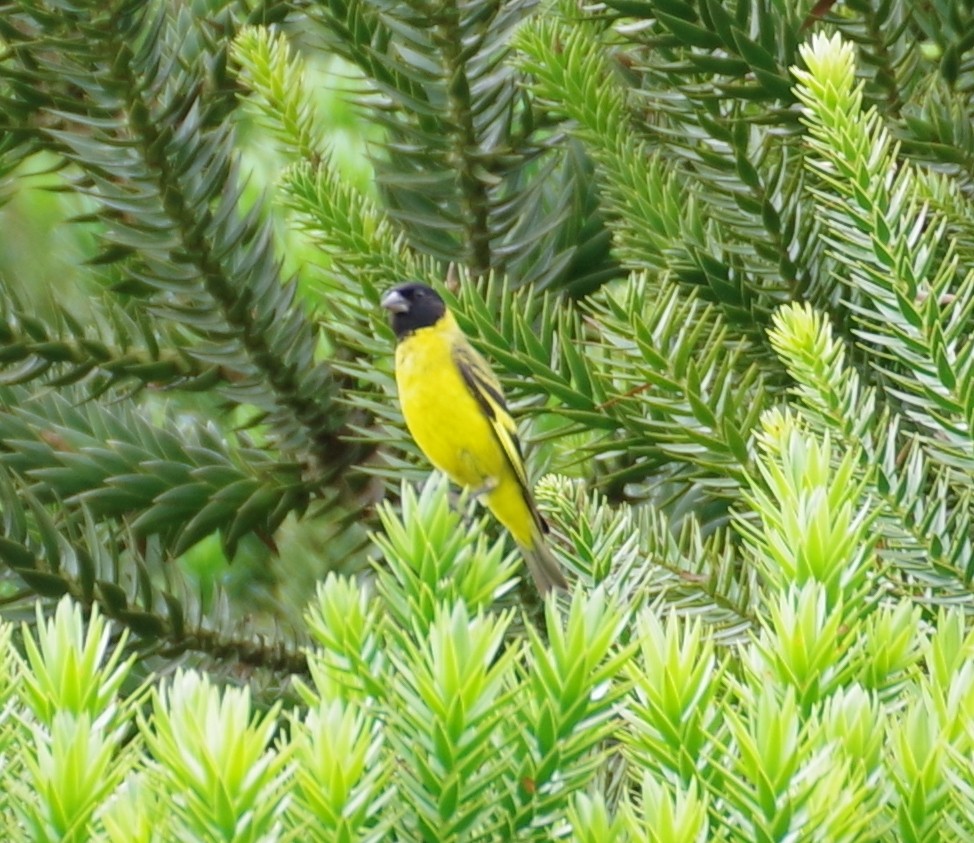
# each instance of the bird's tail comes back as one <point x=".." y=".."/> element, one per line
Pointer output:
<point x="543" y="566"/>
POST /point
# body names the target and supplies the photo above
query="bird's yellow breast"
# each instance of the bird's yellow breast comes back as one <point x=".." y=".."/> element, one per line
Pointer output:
<point x="442" y="415"/>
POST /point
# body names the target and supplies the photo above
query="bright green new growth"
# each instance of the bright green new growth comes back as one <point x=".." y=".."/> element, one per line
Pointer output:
<point x="214" y="750"/>
<point x="68" y="728"/>
<point x="900" y="262"/>
<point x="468" y="729"/>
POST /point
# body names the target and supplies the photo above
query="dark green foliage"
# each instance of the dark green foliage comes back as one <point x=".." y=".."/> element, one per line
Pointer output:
<point x="467" y="166"/>
<point x="137" y="99"/>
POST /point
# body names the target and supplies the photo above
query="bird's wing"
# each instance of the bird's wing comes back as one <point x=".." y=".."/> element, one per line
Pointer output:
<point x="486" y="391"/>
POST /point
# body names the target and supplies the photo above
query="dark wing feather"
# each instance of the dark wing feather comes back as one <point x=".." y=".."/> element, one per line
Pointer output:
<point x="486" y="391"/>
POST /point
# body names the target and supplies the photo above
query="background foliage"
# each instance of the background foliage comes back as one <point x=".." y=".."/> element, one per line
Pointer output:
<point x="718" y="253"/>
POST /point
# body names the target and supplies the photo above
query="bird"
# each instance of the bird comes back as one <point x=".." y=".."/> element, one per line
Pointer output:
<point x="455" y="411"/>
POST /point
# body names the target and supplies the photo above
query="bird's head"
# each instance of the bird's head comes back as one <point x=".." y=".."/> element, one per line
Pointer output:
<point x="413" y="306"/>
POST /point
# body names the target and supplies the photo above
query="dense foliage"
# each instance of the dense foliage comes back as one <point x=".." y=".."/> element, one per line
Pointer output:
<point x="718" y="253"/>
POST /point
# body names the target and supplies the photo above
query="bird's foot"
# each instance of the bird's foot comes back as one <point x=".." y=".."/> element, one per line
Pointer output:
<point x="484" y="488"/>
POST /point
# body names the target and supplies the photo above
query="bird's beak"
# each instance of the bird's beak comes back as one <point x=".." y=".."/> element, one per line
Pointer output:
<point x="395" y="302"/>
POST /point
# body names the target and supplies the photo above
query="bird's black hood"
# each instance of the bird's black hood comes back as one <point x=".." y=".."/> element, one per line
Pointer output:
<point x="413" y="306"/>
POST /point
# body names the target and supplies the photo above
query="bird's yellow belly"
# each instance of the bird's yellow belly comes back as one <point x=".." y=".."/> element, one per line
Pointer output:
<point x="444" y="418"/>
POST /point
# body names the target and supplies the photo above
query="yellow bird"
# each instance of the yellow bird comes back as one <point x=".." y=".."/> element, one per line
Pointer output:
<point x="455" y="410"/>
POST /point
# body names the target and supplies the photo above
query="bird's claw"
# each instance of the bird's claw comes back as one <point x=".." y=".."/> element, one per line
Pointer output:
<point x="484" y="488"/>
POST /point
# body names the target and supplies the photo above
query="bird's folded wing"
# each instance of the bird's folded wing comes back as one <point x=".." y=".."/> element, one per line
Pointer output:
<point x="486" y="390"/>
